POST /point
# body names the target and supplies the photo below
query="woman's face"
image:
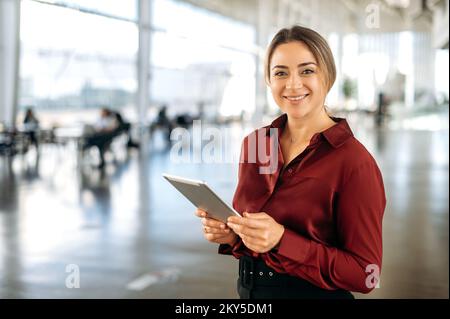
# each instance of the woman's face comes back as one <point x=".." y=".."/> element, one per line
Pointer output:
<point x="295" y="80"/>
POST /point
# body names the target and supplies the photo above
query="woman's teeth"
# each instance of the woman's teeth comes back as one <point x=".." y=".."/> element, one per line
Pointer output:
<point x="296" y="98"/>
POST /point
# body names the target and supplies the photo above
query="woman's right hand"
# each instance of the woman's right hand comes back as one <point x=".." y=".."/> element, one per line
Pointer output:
<point x="215" y="231"/>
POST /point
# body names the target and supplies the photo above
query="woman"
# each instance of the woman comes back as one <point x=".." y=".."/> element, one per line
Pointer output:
<point x="311" y="228"/>
<point x="31" y="126"/>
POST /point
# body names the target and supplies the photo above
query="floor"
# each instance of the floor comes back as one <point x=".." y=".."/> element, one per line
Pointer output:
<point x="70" y="230"/>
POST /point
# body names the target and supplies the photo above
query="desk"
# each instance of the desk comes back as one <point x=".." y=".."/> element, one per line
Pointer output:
<point x="67" y="134"/>
<point x="13" y="142"/>
<point x="70" y="135"/>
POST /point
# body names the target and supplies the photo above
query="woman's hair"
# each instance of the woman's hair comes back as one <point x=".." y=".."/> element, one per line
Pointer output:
<point x="316" y="44"/>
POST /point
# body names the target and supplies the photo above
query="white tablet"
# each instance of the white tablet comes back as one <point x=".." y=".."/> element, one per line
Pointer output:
<point x="203" y="197"/>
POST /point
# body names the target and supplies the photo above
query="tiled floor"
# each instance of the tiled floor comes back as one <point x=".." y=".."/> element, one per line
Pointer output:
<point x="127" y="228"/>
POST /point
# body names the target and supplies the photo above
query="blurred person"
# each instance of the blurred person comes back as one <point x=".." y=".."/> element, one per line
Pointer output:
<point x="312" y="228"/>
<point x="31" y="126"/>
<point x="201" y="110"/>
<point x="162" y="121"/>
<point x="183" y="120"/>
<point x="382" y="108"/>
<point x="125" y="127"/>
<point x="107" y="122"/>
<point x="102" y="133"/>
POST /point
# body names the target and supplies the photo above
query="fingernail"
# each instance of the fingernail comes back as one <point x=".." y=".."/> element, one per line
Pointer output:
<point x="222" y="226"/>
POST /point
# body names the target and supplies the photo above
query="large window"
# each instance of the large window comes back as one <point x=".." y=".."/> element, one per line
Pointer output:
<point x="76" y="60"/>
<point x="442" y="75"/>
<point x="78" y="55"/>
<point x="201" y="61"/>
<point x="126" y="9"/>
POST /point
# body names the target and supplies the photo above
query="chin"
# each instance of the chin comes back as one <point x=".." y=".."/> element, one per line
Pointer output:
<point x="296" y="113"/>
<point x="297" y="116"/>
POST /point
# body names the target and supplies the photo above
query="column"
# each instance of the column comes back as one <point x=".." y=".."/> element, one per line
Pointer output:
<point x="9" y="59"/>
<point x="143" y="61"/>
<point x="263" y="25"/>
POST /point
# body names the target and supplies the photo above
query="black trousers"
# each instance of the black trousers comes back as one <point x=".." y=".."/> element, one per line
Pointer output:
<point x="258" y="281"/>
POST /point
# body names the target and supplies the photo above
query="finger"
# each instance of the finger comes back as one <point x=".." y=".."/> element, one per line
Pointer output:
<point x="213" y="230"/>
<point x="200" y="213"/>
<point x="236" y="228"/>
<point x="244" y="221"/>
<point x="213" y="237"/>
<point x="213" y="223"/>
<point x="260" y="215"/>
<point x="260" y="234"/>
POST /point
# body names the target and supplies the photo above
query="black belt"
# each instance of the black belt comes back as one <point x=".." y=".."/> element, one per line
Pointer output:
<point x="255" y="274"/>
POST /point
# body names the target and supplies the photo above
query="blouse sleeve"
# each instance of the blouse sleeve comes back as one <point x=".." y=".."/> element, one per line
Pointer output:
<point x="237" y="250"/>
<point x="356" y="264"/>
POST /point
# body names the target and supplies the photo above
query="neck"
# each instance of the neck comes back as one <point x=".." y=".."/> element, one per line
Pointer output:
<point x="303" y="129"/>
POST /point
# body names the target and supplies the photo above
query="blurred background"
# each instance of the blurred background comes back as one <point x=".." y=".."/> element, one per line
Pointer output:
<point x="91" y="93"/>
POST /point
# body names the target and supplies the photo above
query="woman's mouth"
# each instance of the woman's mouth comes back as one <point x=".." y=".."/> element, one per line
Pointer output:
<point x="296" y="98"/>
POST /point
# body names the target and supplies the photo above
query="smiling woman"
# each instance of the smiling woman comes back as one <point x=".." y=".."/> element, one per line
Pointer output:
<point x="296" y="80"/>
<point x="311" y="228"/>
<point x="315" y="45"/>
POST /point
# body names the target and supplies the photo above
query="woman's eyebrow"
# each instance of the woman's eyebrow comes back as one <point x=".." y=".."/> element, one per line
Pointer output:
<point x="306" y="63"/>
<point x="300" y="65"/>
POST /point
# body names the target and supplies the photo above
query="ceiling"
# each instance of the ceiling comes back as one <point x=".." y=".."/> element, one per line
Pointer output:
<point x="395" y="15"/>
<point x="343" y="16"/>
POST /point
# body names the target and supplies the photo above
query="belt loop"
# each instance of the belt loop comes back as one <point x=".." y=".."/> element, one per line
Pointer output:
<point x="248" y="269"/>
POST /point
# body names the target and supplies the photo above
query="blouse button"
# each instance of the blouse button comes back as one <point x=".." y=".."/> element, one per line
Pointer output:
<point x="290" y="170"/>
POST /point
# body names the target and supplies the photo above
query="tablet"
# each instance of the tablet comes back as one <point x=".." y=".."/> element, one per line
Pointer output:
<point x="203" y="197"/>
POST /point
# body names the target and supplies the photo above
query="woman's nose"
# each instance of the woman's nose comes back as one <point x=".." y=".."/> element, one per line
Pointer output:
<point x="294" y="82"/>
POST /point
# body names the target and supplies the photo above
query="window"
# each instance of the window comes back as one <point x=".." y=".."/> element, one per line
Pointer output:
<point x="70" y="60"/>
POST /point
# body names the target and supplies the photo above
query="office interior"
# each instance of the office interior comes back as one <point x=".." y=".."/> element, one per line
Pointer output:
<point x="81" y="222"/>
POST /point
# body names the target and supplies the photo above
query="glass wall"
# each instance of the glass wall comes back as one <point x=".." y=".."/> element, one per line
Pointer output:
<point x="73" y="60"/>
<point x="202" y="62"/>
<point x="79" y="55"/>
<point x="126" y="9"/>
<point x="442" y="75"/>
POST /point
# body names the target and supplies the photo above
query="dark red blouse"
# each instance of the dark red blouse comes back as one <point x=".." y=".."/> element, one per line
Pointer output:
<point x="330" y="199"/>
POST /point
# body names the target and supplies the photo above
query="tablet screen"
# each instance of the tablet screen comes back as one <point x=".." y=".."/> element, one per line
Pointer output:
<point x="202" y="196"/>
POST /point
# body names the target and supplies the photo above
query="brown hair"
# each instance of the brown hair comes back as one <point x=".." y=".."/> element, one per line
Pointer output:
<point x="316" y="44"/>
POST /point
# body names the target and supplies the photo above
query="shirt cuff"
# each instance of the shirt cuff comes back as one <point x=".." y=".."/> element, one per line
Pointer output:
<point x="226" y="249"/>
<point x="293" y="246"/>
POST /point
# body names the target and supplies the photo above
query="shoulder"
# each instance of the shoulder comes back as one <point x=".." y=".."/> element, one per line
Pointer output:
<point x="356" y="159"/>
<point x="355" y="152"/>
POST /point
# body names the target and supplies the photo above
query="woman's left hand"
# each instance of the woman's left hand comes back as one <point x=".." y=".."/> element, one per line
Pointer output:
<point x="258" y="231"/>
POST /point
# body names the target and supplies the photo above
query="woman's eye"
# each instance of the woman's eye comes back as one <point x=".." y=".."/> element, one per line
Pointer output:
<point x="308" y="71"/>
<point x="280" y="73"/>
